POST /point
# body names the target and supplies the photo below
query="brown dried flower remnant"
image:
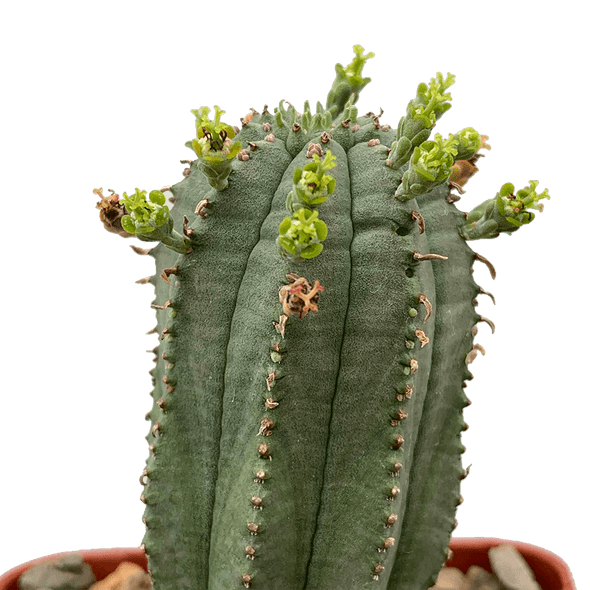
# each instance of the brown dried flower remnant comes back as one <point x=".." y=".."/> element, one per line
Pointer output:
<point x="463" y="170"/>
<point x="111" y="211"/>
<point x="299" y="297"/>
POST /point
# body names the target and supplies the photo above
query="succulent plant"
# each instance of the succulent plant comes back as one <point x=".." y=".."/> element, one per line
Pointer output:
<point x="309" y="379"/>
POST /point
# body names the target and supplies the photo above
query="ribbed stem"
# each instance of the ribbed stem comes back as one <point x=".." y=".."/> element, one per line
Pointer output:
<point x="303" y="388"/>
<point x="378" y="376"/>
<point x="180" y="496"/>
<point x="436" y="471"/>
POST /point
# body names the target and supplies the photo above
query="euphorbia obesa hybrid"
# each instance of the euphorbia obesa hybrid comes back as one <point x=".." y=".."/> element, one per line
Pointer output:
<point x="316" y="317"/>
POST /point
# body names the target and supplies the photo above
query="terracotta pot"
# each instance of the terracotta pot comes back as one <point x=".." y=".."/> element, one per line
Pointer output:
<point x="551" y="571"/>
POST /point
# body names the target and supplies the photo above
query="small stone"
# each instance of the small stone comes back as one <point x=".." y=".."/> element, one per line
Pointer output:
<point x="69" y="571"/>
<point x="450" y="578"/>
<point x="480" y="579"/>
<point x="138" y="581"/>
<point x="118" y="579"/>
<point x="511" y="568"/>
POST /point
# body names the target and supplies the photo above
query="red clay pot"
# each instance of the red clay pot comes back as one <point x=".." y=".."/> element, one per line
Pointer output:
<point x="551" y="571"/>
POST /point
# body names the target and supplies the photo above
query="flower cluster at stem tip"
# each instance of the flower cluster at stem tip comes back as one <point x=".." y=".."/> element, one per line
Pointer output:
<point x="432" y="100"/>
<point x="144" y="215"/>
<point x="214" y="138"/>
<point x="504" y="213"/>
<point x="432" y="162"/>
<point x="513" y="206"/>
<point x="433" y="159"/>
<point x="301" y="233"/>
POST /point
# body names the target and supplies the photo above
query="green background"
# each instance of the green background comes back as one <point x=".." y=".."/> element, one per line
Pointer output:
<point x="101" y="96"/>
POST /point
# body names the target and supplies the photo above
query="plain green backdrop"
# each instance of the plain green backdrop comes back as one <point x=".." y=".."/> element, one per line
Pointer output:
<point x="99" y="95"/>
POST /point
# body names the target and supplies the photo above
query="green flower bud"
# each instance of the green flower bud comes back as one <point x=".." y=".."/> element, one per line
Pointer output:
<point x="300" y="235"/>
<point x="311" y="185"/>
<point x="469" y="143"/>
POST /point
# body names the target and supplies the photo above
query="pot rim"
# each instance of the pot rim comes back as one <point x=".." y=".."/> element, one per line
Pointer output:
<point x="547" y="566"/>
<point x="466" y="551"/>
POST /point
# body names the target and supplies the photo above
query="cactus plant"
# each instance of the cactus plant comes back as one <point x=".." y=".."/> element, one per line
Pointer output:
<point x="316" y="321"/>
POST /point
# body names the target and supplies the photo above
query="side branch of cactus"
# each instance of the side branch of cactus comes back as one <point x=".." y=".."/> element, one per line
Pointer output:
<point x="505" y="213"/>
